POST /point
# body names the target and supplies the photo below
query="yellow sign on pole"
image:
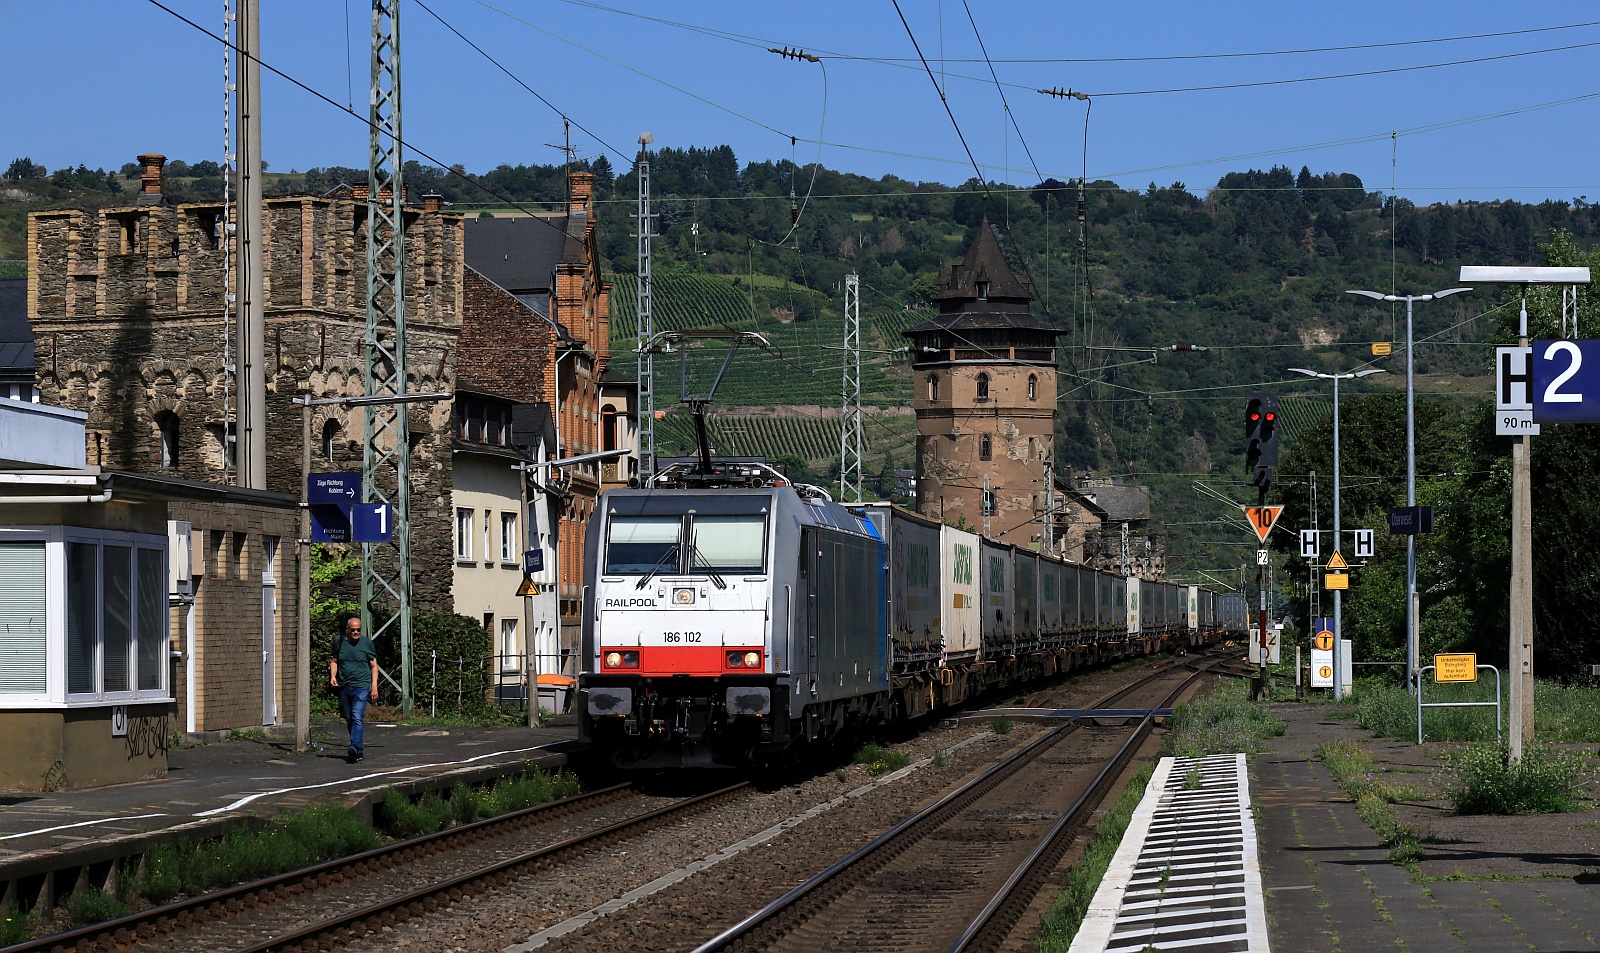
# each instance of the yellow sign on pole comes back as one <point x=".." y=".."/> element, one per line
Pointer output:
<point x="1322" y="641"/>
<point x="1337" y="563"/>
<point x="1459" y="667"/>
<point x="1336" y="580"/>
<point x="1380" y="348"/>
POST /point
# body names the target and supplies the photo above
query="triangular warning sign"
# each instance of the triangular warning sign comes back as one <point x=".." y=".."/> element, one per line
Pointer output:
<point x="1337" y="562"/>
<point x="1262" y="519"/>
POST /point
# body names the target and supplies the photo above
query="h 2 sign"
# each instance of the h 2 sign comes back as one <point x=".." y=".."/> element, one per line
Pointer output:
<point x="1566" y="382"/>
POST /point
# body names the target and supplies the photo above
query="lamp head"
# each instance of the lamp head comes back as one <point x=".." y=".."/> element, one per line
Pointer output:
<point x="1369" y="372"/>
<point x="1447" y="293"/>
<point x="1307" y="372"/>
<point x="1375" y="296"/>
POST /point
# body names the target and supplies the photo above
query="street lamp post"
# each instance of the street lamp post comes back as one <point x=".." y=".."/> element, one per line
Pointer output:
<point x="1338" y="602"/>
<point x="302" y="688"/>
<point x="1412" y="623"/>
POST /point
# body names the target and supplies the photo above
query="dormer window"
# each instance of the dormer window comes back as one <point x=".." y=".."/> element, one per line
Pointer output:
<point x="983" y="386"/>
<point x="983" y="291"/>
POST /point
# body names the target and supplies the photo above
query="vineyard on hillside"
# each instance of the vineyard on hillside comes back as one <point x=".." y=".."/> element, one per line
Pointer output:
<point x="805" y="366"/>
<point x="814" y="440"/>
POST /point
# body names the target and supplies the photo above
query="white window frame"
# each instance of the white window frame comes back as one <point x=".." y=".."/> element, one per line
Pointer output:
<point x="55" y="695"/>
<point x="465" y="524"/>
<point x="508" y="539"/>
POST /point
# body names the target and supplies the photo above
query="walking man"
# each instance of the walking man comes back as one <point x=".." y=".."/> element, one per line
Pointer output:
<point x="354" y="672"/>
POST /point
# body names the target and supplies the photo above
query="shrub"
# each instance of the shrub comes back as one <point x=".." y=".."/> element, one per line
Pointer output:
<point x="1226" y="721"/>
<point x="1000" y="726"/>
<point x="880" y="760"/>
<point x="1487" y="781"/>
<point x="93" y="906"/>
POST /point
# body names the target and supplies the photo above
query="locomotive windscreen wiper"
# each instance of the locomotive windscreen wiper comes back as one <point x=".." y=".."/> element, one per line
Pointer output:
<point x="671" y="553"/>
<point x="696" y="559"/>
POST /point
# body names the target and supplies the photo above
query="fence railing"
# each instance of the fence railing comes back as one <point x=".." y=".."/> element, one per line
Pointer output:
<point x="495" y="681"/>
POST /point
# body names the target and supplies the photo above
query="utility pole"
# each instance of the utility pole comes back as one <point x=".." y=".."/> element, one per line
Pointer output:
<point x="228" y="233"/>
<point x="646" y="328"/>
<point x="386" y="456"/>
<point x="251" y="321"/>
<point x="850" y="411"/>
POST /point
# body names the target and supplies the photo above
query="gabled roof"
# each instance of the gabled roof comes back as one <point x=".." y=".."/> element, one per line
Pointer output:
<point x="519" y="254"/>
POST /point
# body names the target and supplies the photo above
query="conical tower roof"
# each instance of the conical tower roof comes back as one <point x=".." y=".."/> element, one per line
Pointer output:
<point x="985" y="264"/>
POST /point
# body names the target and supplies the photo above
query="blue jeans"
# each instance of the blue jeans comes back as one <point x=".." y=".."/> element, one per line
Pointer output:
<point x="353" y="705"/>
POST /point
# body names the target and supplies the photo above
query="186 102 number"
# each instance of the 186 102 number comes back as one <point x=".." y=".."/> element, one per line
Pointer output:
<point x="671" y="637"/>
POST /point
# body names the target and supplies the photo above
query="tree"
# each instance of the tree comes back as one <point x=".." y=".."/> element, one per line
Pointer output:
<point x="25" y="168"/>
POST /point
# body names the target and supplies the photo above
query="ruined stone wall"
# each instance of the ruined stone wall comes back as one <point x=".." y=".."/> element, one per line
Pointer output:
<point x="128" y="308"/>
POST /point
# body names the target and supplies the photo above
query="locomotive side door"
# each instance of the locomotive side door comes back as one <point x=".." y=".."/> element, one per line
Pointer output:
<point x="809" y="559"/>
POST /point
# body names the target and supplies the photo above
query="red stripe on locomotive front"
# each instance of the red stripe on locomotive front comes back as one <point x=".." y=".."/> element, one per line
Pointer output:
<point x="684" y="660"/>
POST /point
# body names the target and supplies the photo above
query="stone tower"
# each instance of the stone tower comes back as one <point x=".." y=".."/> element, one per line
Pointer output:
<point x="984" y="369"/>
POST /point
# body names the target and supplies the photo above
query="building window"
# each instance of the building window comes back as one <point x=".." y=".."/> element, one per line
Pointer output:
<point x="508" y="538"/>
<point x="330" y="437"/>
<point x="464" y="535"/>
<point x="988" y="502"/>
<point x="983" y="387"/>
<point x="983" y="291"/>
<point x="933" y="387"/>
<point x="23" y="631"/>
<point x="168" y="423"/>
<point x="1033" y="387"/>
<point x="493" y="430"/>
<point x="116" y="619"/>
<point x="488" y="536"/>
<point x="608" y="428"/>
<point x="985" y="447"/>
<point x="508" y="645"/>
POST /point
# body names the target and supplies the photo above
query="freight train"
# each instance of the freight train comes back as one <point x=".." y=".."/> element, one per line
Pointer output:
<point x="734" y="619"/>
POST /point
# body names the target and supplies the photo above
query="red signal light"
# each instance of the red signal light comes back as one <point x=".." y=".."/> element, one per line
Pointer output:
<point x="1272" y="416"/>
<point x="1256" y="417"/>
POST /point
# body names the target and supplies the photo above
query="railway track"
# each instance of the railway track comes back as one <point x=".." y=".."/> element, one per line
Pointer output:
<point x="959" y="874"/>
<point x="282" y="898"/>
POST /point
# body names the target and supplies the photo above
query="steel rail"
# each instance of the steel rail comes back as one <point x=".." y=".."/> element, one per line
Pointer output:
<point x="994" y="923"/>
<point x="351" y="924"/>
<point x="171" y="916"/>
<point x="829" y="883"/>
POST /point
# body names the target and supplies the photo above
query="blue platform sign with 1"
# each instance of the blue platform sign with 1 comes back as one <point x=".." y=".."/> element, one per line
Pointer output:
<point x="371" y="522"/>
<point x="1566" y="382"/>
<point x="333" y="488"/>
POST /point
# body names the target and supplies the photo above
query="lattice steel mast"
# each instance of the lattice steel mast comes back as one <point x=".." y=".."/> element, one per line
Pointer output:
<point x="386" y="463"/>
<point x="646" y="326"/>
<point x="850" y="412"/>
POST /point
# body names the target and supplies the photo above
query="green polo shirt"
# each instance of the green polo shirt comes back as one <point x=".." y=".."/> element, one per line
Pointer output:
<point x="355" y="661"/>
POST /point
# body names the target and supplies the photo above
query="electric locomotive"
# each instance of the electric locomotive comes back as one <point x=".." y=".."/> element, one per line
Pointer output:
<point x="730" y="618"/>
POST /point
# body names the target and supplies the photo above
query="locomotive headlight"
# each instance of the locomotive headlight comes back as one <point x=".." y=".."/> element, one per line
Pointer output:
<point x="630" y="659"/>
<point x="613" y="660"/>
<point x="734" y="660"/>
<point x="683" y="597"/>
<point x="752" y="659"/>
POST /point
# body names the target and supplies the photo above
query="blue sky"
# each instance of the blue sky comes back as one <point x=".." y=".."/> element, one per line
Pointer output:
<point x="98" y="81"/>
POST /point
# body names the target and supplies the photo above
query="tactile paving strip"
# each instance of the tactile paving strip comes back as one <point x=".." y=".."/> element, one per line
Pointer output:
<point x="1186" y="875"/>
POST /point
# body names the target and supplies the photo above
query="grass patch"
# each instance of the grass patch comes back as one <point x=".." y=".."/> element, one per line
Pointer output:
<point x="940" y="759"/>
<point x="1375" y="795"/>
<point x="1223" y="722"/>
<point x="401" y="817"/>
<point x="307" y="837"/>
<point x="94" y="906"/>
<point x="1000" y="726"/>
<point x="1066" y="914"/>
<point x="880" y="760"/>
<point x="1487" y="781"/>
<point x="14" y="926"/>
<point x="1563" y="714"/>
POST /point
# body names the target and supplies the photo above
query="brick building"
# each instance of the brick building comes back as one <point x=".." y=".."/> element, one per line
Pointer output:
<point x="552" y="353"/>
<point x="127" y="305"/>
<point x="984" y="372"/>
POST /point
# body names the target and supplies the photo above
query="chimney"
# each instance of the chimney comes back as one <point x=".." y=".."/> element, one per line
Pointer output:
<point x="432" y="202"/>
<point x="150" y="178"/>
<point x="581" y="185"/>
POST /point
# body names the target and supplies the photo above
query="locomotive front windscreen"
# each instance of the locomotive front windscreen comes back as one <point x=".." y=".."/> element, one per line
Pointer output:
<point x="644" y="544"/>
<point x="731" y="544"/>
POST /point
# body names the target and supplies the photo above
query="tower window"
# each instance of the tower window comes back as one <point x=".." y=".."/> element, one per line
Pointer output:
<point x="983" y="291"/>
<point x="168" y="422"/>
<point x="985" y="447"/>
<point x="933" y="387"/>
<point x="1033" y="387"/>
<point x="330" y="437"/>
<point x="983" y="386"/>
